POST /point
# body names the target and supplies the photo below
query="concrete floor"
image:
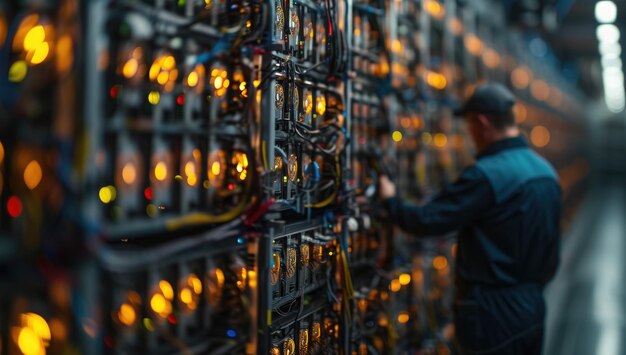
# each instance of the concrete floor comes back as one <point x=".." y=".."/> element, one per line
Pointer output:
<point x="587" y="299"/>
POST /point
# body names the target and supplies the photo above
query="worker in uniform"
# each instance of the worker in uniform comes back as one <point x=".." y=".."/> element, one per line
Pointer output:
<point x="506" y="209"/>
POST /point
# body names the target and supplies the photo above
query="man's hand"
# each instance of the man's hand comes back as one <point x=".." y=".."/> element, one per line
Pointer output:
<point x="386" y="188"/>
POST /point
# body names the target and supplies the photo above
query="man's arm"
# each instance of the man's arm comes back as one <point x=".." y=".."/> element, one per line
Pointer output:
<point x="456" y="206"/>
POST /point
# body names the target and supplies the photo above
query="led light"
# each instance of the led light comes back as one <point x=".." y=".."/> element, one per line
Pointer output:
<point x="240" y="161"/>
<point x="404" y="279"/>
<point x="34" y="37"/>
<point x="37" y="324"/>
<point x="192" y="79"/>
<point x="435" y="9"/>
<point x="440" y="262"/>
<point x="436" y="80"/>
<point x="160" y="171"/>
<point x="396" y="136"/>
<point x="610" y="49"/>
<point x="491" y="58"/>
<point x="320" y="105"/>
<point x="154" y="97"/>
<point x="215" y="283"/>
<point x="130" y="68"/>
<point x="608" y="33"/>
<point x="32" y="174"/>
<point x="242" y="276"/>
<point x="473" y="44"/>
<point x="18" y="71"/>
<point x="403" y="317"/>
<point x="190" y="173"/>
<point x="29" y="343"/>
<point x="540" y="136"/>
<point x="217" y="160"/>
<point x="107" y="194"/>
<point x="158" y="303"/>
<point x="163" y="71"/>
<point x="395" y="285"/>
<point x="440" y="140"/>
<point x="129" y="173"/>
<point x="308" y="103"/>
<point x="14" y="206"/>
<point x="520" y="78"/>
<point x="166" y="289"/>
<point x="606" y="11"/>
<point x="540" y="90"/>
<point x="127" y="315"/>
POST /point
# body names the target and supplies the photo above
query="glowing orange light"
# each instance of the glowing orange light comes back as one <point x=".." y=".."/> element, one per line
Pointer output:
<point x="436" y="80"/>
<point x="473" y="44"/>
<point x="64" y="54"/>
<point x="129" y="173"/>
<point x="440" y="140"/>
<point x="404" y="279"/>
<point x="163" y="71"/>
<point x="32" y="174"/>
<point x="403" y="317"/>
<point x="320" y="105"/>
<point x="491" y="58"/>
<point x="435" y="9"/>
<point x="37" y="324"/>
<point x="520" y="112"/>
<point x="440" y="262"/>
<point x="540" y="90"/>
<point x="166" y="289"/>
<point x="540" y="136"/>
<point x="395" y="285"/>
<point x="127" y="315"/>
<point x="158" y="303"/>
<point x="456" y="26"/>
<point x="29" y="343"/>
<point x="130" y="68"/>
<point x="520" y="77"/>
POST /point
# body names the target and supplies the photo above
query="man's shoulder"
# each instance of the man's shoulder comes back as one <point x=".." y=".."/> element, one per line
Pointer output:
<point x="508" y="170"/>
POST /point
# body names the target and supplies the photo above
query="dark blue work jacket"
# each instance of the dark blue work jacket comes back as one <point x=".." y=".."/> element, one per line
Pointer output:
<point x="507" y="210"/>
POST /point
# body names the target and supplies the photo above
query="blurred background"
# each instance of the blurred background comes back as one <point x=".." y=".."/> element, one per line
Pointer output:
<point x="199" y="176"/>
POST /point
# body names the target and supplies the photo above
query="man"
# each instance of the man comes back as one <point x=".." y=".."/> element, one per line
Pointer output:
<point x="507" y="209"/>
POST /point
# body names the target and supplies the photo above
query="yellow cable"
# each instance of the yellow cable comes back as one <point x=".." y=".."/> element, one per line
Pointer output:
<point x="195" y="219"/>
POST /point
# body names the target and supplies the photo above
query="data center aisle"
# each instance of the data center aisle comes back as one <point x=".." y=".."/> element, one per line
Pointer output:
<point x="587" y="299"/>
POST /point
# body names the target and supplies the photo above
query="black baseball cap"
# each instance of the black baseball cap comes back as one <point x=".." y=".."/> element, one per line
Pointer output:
<point x="488" y="98"/>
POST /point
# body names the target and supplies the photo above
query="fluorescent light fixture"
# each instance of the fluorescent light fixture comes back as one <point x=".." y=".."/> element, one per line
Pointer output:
<point x="606" y="11"/>
<point x="607" y="33"/>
